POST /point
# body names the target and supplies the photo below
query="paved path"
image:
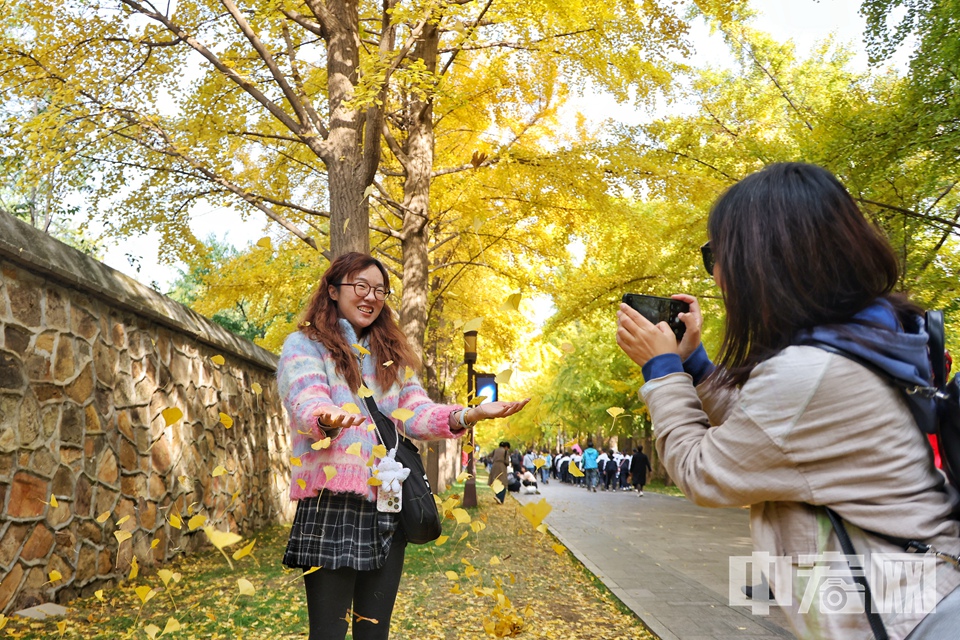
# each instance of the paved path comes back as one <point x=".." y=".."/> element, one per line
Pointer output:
<point x="664" y="557"/>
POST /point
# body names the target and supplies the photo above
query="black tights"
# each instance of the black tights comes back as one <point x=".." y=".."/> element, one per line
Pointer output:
<point x="372" y="594"/>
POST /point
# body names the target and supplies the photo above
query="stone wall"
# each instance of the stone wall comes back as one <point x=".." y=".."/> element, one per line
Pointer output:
<point x="89" y="361"/>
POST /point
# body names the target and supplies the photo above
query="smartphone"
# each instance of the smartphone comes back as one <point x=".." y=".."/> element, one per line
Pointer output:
<point x="657" y="310"/>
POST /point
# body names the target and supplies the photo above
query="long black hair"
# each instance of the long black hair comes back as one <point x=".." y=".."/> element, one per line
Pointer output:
<point x="793" y="251"/>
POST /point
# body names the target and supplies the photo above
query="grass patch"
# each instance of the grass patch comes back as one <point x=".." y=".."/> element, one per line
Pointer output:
<point x="657" y="486"/>
<point x="507" y="575"/>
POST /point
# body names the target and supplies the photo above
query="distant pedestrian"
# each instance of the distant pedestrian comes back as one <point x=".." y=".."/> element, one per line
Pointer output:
<point x="498" y="469"/>
<point x="610" y="470"/>
<point x="625" y="473"/>
<point x="590" y="456"/>
<point x="528" y="459"/>
<point x="546" y="468"/>
<point x="528" y="483"/>
<point x="638" y="469"/>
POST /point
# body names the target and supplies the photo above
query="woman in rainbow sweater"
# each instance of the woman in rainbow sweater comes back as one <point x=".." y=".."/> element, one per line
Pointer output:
<point x="348" y="345"/>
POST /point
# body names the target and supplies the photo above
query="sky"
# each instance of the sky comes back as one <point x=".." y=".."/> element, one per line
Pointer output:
<point x="806" y="22"/>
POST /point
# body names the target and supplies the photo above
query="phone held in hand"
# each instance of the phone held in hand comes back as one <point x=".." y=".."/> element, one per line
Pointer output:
<point x="656" y="309"/>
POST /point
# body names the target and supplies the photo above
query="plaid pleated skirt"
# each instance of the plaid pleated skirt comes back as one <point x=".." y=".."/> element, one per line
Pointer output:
<point x="338" y="530"/>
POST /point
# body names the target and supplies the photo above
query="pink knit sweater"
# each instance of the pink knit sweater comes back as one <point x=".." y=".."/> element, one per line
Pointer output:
<point x="308" y="380"/>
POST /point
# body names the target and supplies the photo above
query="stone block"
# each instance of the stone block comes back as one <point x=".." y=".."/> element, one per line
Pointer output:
<point x="107" y="470"/>
<point x="105" y="362"/>
<point x="148" y="515"/>
<point x="157" y="488"/>
<point x="83" y="323"/>
<point x="16" y="339"/>
<point x="55" y="310"/>
<point x="37" y="367"/>
<point x="92" y="422"/>
<point x="129" y="460"/>
<point x="8" y="440"/>
<point x="49" y="421"/>
<point x="24" y="295"/>
<point x="60" y="516"/>
<point x="134" y="486"/>
<point x="84" y="497"/>
<point x="30" y="427"/>
<point x="8" y="462"/>
<point x="126" y="507"/>
<point x="124" y="425"/>
<point x="162" y="455"/>
<point x="71" y="425"/>
<point x="27" y="496"/>
<point x="11" y="372"/>
<point x="104" y="563"/>
<point x="91" y="531"/>
<point x="48" y="392"/>
<point x="143" y="391"/>
<point x="81" y="389"/>
<point x="86" y="563"/>
<point x="45" y="342"/>
<point x="64" y="482"/>
<point x="64" y="362"/>
<point x="72" y="458"/>
<point x="44" y="462"/>
<point x="38" y="545"/>
<point x="106" y="499"/>
<point x="11" y="543"/>
<point x="10" y="585"/>
<point x="119" y="335"/>
<point x="123" y="392"/>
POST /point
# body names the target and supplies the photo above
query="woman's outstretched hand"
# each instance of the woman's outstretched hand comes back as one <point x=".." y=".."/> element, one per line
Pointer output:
<point x="329" y="419"/>
<point x="490" y="410"/>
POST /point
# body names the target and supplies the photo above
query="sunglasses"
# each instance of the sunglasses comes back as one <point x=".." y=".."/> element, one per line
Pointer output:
<point x="709" y="262"/>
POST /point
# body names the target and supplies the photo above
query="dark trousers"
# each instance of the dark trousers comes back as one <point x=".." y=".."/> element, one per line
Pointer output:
<point x="331" y="594"/>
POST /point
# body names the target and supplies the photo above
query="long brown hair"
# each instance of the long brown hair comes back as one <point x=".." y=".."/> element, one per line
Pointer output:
<point x="793" y="252"/>
<point x="387" y="342"/>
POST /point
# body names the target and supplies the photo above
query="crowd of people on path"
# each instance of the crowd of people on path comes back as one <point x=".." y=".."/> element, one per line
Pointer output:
<point x="591" y="469"/>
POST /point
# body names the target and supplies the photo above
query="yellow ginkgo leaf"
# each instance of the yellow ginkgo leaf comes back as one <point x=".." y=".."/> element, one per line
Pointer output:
<point x="302" y="484"/>
<point x="439" y="541"/>
<point x="226" y="420"/>
<point x="53" y="501"/>
<point x="472" y="325"/>
<point x="134" y="569"/>
<point x="144" y="593"/>
<point x="559" y="548"/>
<point x="246" y="587"/>
<point x="570" y="444"/>
<point x="256" y="388"/>
<point x="351" y="408"/>
<point x="478" y="400"/>
<point x="461" y="516"/>
<point x="152" y="631"/>
<point x="264" y="242"/>
<point x="451" y="575"/>
<point x="463" y="476"/>
<point x="388" y="363"/>
<point x="103" y="517"/>
<point x="296" y="462"/>
<point x="321" y="444"/>
<point x="121" y="536"/>
<point x="615" y="411"/>
<point x="171" y="415"/>
<point x="330" y="471"/>
<point x="155" y="543"/>
<point x="408" y="373"/>
<point x="371" y="428"/>
<point x="355" y="449"/>
<point x="463" y="536"/>
<point x="496" y="485"/>
<point x="364" y="392"/>
<point x="402" y="414"/>
<point x="494" y="560"/>
<point x="374" y="482"/>
<point x="304" y="433"/>
<point x="244" y="552"/>
<point x="543" y="528"/>
<point x="361" y="349"/>
<point x="122" y="520"/>
<point x="219" y="471"/>
<point x="539" y="462"/>
<point x="196" y="521"/>
<point x="55" y="576"/>
<point x="512" y="303"/>
<point x="379" y="451"/>
<point x="98" y="594"/>
<point x="309" y="571"/>
<point x="470" y="571"/>
<point x="165" y="575"/>
<point x="456" y="589"/>
<point x="221" y="539"/>
<point x="172" y="626"/>
<point x="175" y="521"/>
<point x="575" y="471"/>
<point x="217" y="359"/>
<point x="503" y="377"/>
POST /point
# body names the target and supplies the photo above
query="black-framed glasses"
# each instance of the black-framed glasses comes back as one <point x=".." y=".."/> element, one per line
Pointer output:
<point x="362" y="289"/>
<point x="706" y="252"/>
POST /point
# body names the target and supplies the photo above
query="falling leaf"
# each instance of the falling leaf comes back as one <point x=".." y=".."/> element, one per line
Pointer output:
<point x="463" y="537"/>
<point x="402" y="414"/>
<point x="439" y="541"/>
<point x="165" y="576"/>
<point x="245" y="551"/>
<point x="55" y="576"/>
<point x="302" y="484"/>
<point x="503" y="377"/>
<point x="463" y="476"/>
<point x="175" y="521"/>
<point x="151" y="630"/>
<point x="408" y="373"/>
<point x="246" y="587"/>
<point x="219" y="471"/>
<point x="615" y="411"/>
<point x="535" y="512"/>
<point x="570" y="444"/>
<point x="364" y="392"/>
<point x="134" y="569"/>
<point x="543" y="528"/>
<point x="472" y="325"/>
<point x="218" y="359"/>
<point x="330" y="471"/>
<point x="256" y="388"/>
<point x="478" y="400"/>
<point x="155" y="543"/>
<point x="310" y="570"/>
<point x="172" y="626"/>
<point x="496" y="485"/>
<point x="185" y="482"/>
<point x="103" y="517"/>
<point x="98" y="594"/>
<point x="122" y="520"/>
<point x="53" y="501"/>
<point x="363" y="351"/>
<point x="539" y="462"/>
<point x="477" y="526"/>
<point x="461" y="516"/>
<point x="575" y="471"/>
<point x="171" y="415"/>
<point x="451" y="575"/>
<point x="196" y="521"/>
<point x="494" y="560"/>
<point x="351" y="408"/>
<point x="121" y="536"/>
<point x="388" y="363"/>
<point x="295" y="462"/>
<point x="379" y="451"/>
<point x="321" y="444"/>
<point x="455" y="588"/>
<point x="62" y="627"/>
<point x="226" y="420"/>
<point x="559" y="548"/>
<point x="221" y="539"/>
<point x="354" y="449"/>
<point x="374" y="482"/>
<point x="264" y="242"/>
<point x="145" y="593"/>
<point x="512" y="303"/>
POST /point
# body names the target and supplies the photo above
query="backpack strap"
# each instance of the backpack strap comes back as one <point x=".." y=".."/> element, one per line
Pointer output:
<point x="876" y="623"/>
<point x="937" y="346"/>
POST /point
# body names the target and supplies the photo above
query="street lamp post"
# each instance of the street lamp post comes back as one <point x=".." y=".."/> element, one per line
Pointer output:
<point x="470" y="358"/>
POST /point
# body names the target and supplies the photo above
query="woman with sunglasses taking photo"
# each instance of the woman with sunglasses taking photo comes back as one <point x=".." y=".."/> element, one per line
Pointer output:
<point x="349" y="339"/>
<point x="793" y="429"/>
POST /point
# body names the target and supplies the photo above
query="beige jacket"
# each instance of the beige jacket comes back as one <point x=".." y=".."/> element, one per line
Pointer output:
<point x="811" y="428"/>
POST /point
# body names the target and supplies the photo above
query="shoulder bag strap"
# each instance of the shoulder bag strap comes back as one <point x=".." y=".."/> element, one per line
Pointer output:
<point x="876" y="623"/>
<point x="937" y="346"/>
<point x="384" y="424"/>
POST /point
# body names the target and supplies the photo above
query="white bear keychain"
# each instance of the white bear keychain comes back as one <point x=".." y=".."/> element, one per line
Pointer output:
<point x="391" y="474"/>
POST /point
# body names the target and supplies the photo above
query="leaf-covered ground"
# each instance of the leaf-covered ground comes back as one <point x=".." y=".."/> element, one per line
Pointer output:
<point x="493" y="575"/>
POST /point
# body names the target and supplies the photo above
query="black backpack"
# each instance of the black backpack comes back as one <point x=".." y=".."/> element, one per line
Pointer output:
<point x="610" y="466"/>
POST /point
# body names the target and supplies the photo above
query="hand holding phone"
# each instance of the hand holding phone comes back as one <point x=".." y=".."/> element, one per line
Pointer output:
<point x="656" y="310"/>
